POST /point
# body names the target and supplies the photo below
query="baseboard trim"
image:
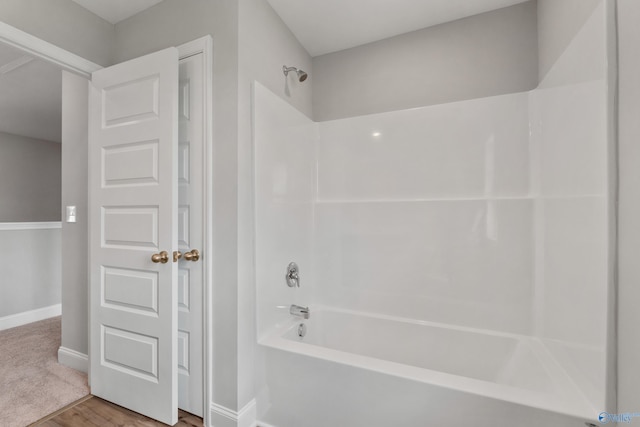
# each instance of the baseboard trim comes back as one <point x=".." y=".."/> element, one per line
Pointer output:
<point x="25" y="317"/>
<point x="224" y="417"/>
<point x="73" y="359"/>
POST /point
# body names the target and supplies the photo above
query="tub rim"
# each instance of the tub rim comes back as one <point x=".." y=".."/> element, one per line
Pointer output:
<point x="567" y="399"/>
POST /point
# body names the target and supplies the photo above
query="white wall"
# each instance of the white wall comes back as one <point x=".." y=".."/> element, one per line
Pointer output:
<point x="629" y="207"/>
<point x="488" y="54"/>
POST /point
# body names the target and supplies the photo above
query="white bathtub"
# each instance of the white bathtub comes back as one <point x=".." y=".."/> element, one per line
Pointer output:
<point x="355" y="369"/>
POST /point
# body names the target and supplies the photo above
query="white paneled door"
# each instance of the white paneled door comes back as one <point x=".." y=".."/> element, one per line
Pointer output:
<point x="133" y="162"/>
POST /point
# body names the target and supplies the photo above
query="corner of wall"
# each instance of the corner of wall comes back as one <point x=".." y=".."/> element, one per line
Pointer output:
<point x="221" y="416"/>
<point x="73" y="359"/>
<point x="558" y="24"/>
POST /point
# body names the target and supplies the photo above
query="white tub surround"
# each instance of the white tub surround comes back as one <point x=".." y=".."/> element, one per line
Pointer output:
<point x="457" y="258"/>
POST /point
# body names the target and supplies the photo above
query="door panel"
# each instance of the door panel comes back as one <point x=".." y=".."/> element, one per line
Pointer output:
<point x="131" y="164"/>
<point x="133" y="152"/>
<point x="130" y="290"/>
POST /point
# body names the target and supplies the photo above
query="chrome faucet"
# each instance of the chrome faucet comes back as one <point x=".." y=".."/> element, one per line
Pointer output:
<point x="296" y="310"/>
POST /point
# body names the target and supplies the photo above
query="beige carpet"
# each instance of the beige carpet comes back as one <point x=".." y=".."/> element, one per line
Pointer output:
<point x="32" y="383"/>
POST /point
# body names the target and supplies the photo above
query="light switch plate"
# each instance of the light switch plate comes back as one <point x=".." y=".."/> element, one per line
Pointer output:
<point x="71" y="214"/>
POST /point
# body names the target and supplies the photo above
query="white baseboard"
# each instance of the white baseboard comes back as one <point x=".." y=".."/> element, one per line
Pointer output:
<point x="261" y="424"/>
<point x="73" y="359"/>
<point x="23" y="318"/>
<point x="225" y="417"/>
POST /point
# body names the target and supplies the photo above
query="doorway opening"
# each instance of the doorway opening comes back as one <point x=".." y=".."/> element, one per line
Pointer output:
<point x="31" y="241"/>
<point x="76" y="66"/>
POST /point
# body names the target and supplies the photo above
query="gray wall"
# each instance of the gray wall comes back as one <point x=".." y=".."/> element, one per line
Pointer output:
<point x="266" y="44"/>
<point x="29" y="179"/>
<point x="23" y="287"/>
<point x="171" y="23"/>
<point x="64" y="24"/>
<point x="558" y="22"/>
<point x="629" y="206"/>
<point x="75" y="286"/>
<point x="488" y="54"/>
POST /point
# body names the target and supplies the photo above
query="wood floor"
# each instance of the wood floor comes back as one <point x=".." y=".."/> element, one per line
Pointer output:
<point x="92" y="411"/>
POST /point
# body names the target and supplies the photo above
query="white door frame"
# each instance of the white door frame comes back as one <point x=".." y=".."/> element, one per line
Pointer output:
<point x="204" y="46"/>
<point x="46" y="51"/>
<point x="76" y="64"/>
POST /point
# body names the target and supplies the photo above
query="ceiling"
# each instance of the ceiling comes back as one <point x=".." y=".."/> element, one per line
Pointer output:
<point x="115" y="11"/>
<point x="31" y="101"/>
<point x="324" y="26"/>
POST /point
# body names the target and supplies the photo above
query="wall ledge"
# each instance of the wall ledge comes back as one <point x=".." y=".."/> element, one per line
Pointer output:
<point x="14" y="226"/>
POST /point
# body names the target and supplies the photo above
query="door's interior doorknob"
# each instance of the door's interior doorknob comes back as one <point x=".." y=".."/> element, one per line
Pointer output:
<point x="162" y="257"/>
<point x="192" y="255"/>
<point x="176" y="256"/>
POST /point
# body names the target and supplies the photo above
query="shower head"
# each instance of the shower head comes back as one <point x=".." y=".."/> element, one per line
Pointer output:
<point x="302" y="75"/>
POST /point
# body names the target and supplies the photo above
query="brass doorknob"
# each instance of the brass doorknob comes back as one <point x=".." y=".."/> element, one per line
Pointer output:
<point x="192" y="255"/>
<point x="162" y="257"/>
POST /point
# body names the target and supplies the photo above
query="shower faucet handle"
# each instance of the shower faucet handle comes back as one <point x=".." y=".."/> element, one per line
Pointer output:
<point x="292" y="276"/>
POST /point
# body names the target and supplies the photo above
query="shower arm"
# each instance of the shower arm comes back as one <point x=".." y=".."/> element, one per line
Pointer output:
<point x="286" y="69"/>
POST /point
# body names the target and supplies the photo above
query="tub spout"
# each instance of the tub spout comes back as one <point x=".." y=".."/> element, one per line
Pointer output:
<point x="296" y="310"/>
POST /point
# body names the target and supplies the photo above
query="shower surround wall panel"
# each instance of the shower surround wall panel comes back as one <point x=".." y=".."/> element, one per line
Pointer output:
<point x="465" y="262"/>
<point x="386" y="225"/>
<point x="469" y="149"/>
<point x="285" y="185"/>
<point x="425" y="214"/>
<point x="570" y="182"/>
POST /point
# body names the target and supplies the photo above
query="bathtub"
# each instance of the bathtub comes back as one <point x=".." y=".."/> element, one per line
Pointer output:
<point x="355" y="369"/>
